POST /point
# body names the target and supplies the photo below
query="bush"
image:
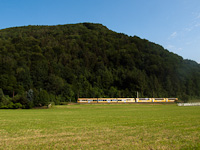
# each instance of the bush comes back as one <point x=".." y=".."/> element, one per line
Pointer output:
<point x="63" y="103"/>
<point x="185" y="98"/>
<point x="10" y="105"/>
<point x="54" y="99"/>
<point x="1" y="94"/>
<point x="23" y="100"/>
<point x="30" y="95"/>
<point x="5" y="100"/>
<point x="4" y="107"/>
<point x="17" y="106"/>
<point x="42" y="99"/>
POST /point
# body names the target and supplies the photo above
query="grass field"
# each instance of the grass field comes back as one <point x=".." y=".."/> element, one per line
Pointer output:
<point x="126" y="126"/>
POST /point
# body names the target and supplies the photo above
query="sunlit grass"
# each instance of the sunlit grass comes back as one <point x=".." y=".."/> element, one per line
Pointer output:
<point x="101" y="127"/>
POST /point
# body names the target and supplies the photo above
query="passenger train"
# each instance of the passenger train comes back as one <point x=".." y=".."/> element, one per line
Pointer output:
<point x="125" y="100"/>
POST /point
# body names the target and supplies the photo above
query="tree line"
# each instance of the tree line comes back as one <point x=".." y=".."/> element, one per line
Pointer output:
<point x="39" y="64"/>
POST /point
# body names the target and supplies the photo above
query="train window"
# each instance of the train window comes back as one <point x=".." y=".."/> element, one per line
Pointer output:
<point x="171" y="98"/>
<point x="144" y="99"/>
<point x="159" y="99"/>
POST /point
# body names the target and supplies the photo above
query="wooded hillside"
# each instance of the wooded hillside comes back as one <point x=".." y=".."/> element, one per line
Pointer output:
<point x="88" y="60"/>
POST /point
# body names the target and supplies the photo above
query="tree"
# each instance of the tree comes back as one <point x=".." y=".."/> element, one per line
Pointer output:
<point x="30" y="98"/>
<point x="30" y="95"/>
<point x="1" y="94"/>
<point x="55" y="84"/>
<point x="68" y="93"/>
<point x="42" y="99"/>
<point x="39" y="72"/>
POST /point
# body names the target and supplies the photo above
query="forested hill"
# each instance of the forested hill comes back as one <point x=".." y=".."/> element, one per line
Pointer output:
<point x="89" y="60"/>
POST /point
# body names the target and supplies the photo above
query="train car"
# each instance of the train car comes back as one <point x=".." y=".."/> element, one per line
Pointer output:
<point x="87" y="100"/>
<point x="107" y="100"/>
<point x="116" y="100"/>
<point x="145" y="100"/>
<point x="172" y="100"/>
<point x="159" y="100"/>
<point x="126" y="100"/>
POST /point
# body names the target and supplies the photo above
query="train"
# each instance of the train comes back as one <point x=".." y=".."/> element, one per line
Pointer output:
<point x="125" y="100"/>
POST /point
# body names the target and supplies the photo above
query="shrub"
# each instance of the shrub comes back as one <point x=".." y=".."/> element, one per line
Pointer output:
<point x="42" y="99"/>
<point x="30" y="95"/>
<point x="23" y="100"/>
<point x="63" y="103"/>
<point x="10" y="105"/>
<point x="17" y="106"/>
<point x="185" y="98"/>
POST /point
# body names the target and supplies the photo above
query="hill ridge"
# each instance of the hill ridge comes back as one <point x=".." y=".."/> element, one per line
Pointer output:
<point x="90" y="60"/>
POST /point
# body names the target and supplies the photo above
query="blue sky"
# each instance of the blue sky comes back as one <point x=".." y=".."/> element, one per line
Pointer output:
<point x="174" y="24"/>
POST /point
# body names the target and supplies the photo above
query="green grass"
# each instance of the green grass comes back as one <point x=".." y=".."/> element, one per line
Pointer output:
<point x="123" y="126"/>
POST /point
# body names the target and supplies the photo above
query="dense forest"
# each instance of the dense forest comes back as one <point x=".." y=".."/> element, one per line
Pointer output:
<point x="42" y="64"/>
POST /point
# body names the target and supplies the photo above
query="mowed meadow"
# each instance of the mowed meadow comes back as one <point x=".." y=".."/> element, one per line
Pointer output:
<point x="125" y="126"/>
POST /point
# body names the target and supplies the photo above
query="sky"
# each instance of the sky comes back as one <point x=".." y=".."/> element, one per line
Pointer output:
<point x="174" y="24"/>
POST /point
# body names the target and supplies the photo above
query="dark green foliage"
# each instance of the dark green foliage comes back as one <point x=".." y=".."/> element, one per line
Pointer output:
<point x="1" y="95"/>
<point x="30" y="98"/>
<point x="88" y="60"/>
<point x="17" y="105"/>
<point x="22" y="99"/>
<point x="185" y="98"/>
<point x="42" y="99"/>
<point x="4" y="100"/>
<point x="30" y="95"/>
